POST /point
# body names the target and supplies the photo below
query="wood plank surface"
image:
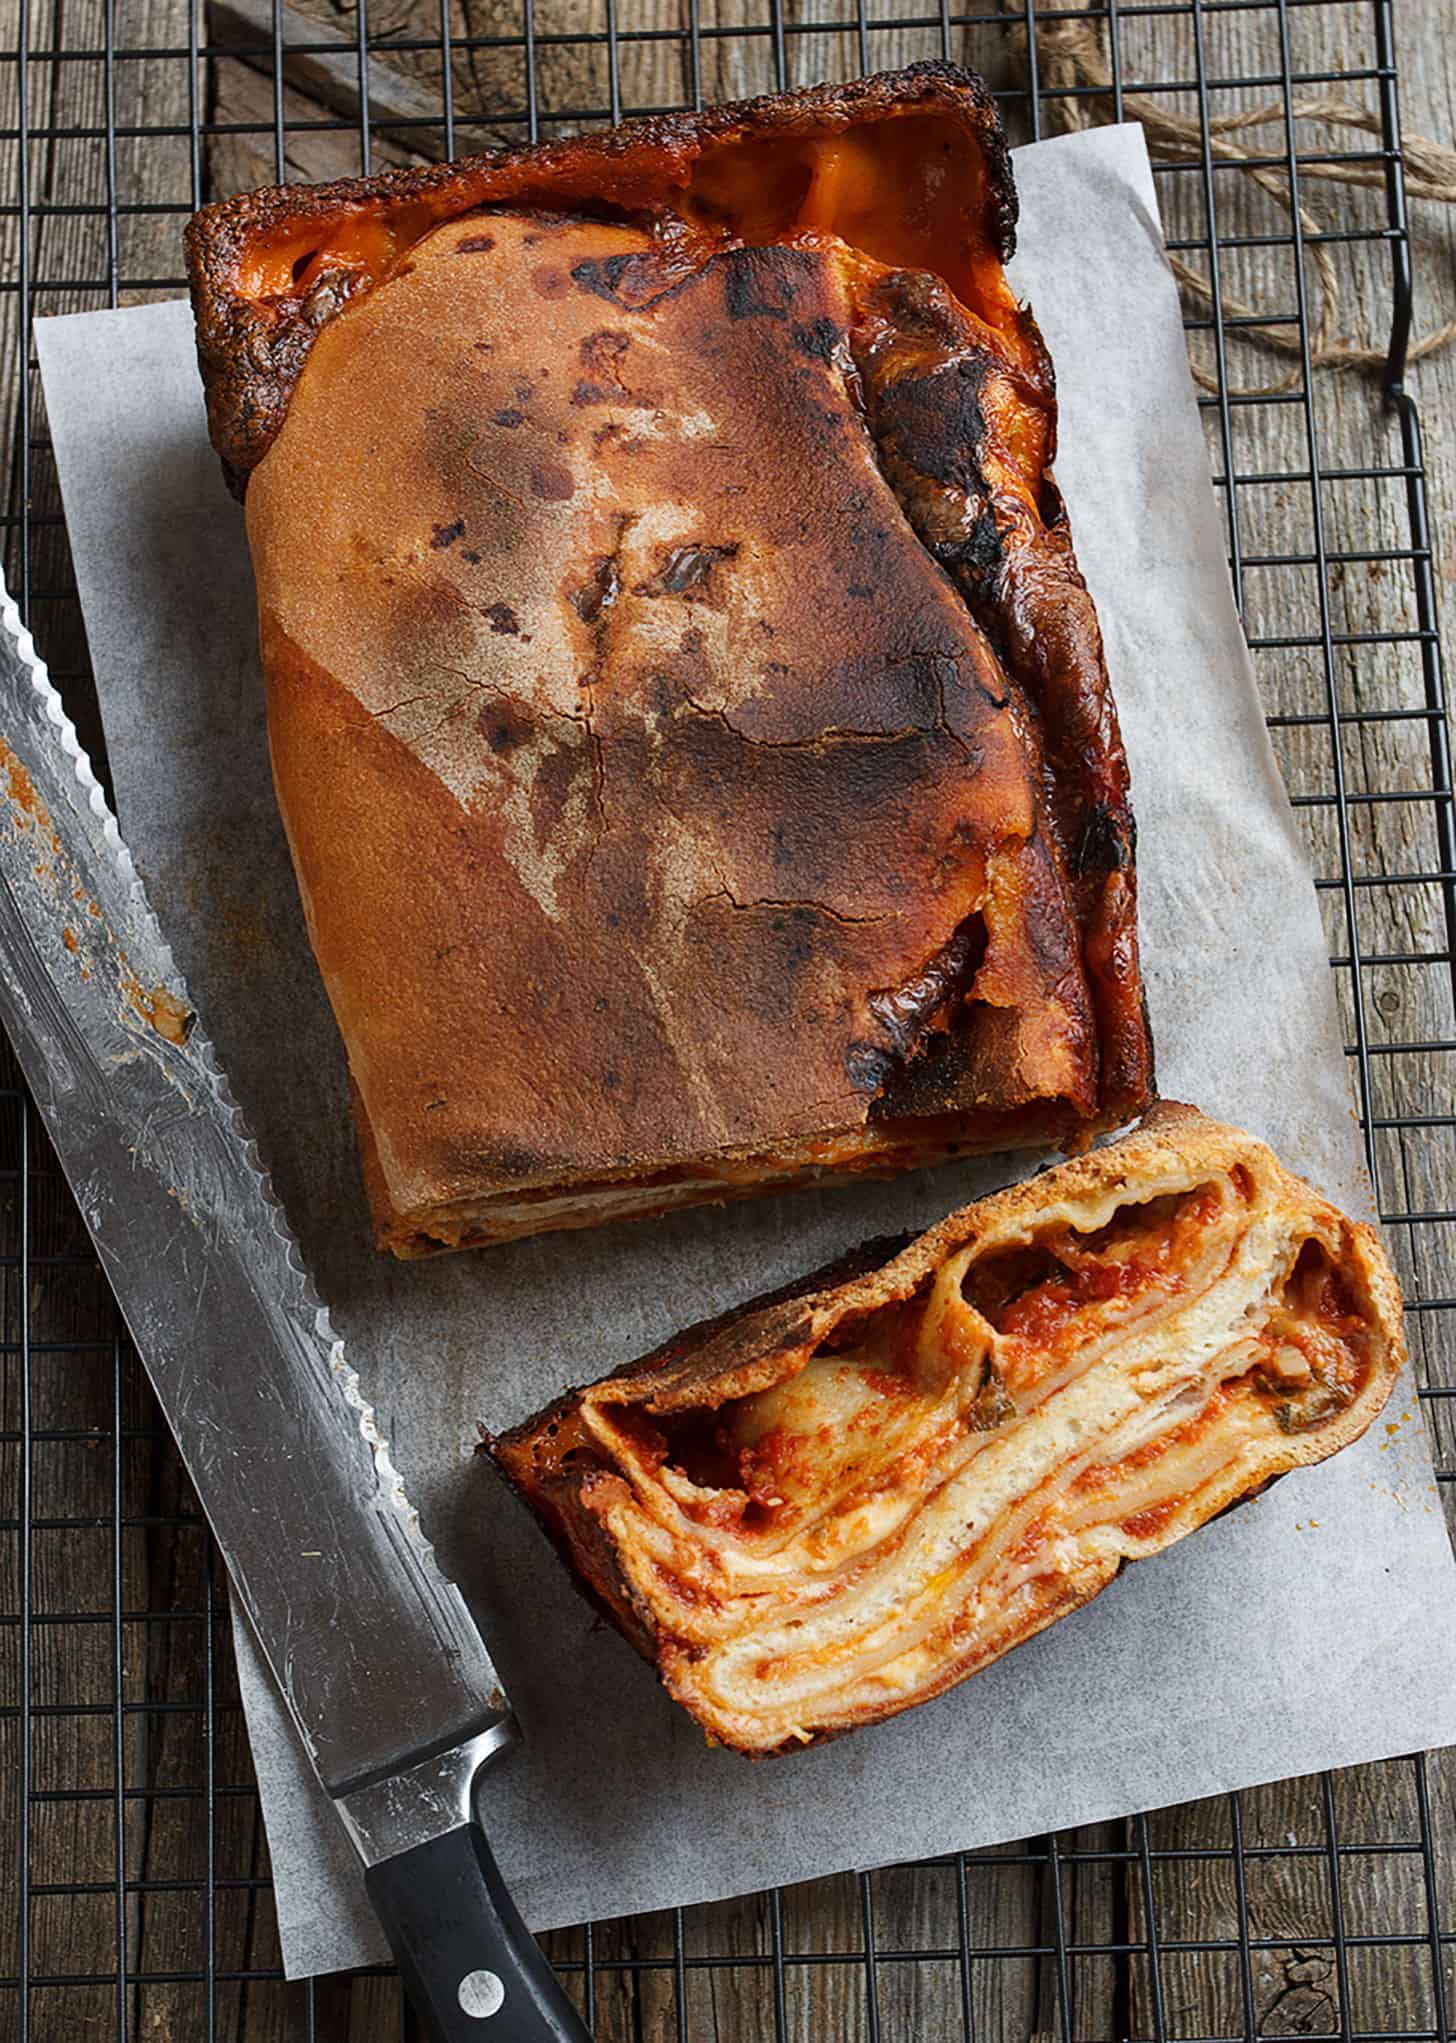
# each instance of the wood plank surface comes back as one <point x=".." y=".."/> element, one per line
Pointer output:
<point x="992" y="1947"/>
<point x="1300" y="1982"/>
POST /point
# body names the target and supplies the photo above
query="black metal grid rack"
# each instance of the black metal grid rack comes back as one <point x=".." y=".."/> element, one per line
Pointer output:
<point x="136" y="1879"/>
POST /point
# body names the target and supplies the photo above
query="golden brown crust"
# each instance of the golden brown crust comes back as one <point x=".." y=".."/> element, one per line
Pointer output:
<point x="666" y="830"/>
<point x="1174" y="1309"/>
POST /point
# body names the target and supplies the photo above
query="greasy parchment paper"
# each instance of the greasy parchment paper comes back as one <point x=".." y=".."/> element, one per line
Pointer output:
<point x="1311" y="1628"/>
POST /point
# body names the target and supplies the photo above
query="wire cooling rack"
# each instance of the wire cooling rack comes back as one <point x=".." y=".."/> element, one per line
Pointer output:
<point x="138" y="1902"/>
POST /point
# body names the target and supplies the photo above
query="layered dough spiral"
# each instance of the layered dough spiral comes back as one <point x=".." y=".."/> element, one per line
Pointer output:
<point x="834" y="1505"/>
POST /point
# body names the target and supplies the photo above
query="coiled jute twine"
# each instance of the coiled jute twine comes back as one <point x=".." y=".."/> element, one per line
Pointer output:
<point x="1072" y="57"/>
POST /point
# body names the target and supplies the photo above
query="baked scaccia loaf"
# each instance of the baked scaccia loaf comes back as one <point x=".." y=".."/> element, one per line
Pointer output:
<point x="689" y="720"/>
<point x="838" y="1502"/>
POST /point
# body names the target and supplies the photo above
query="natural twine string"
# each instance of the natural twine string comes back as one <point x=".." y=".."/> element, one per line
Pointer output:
<point x="1072" y="57"/>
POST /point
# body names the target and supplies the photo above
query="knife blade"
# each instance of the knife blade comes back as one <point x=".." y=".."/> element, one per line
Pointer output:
<point x="387" y="1679"/>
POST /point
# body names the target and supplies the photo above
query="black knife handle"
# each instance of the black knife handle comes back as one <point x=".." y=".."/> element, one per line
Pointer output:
<point x="471" y="1967"/>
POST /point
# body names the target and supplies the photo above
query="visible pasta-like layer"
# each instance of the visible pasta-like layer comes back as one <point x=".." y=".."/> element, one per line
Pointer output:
<point x="836" y="1504"/>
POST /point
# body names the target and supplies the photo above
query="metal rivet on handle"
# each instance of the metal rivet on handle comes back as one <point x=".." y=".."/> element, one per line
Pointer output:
<point x="481" y="1994"/>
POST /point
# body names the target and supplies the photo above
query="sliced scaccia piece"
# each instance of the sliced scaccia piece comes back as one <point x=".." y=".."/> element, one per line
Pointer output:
<point x="841" y="1500"/>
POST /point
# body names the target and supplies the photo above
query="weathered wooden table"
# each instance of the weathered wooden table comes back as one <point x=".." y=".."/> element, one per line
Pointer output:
<point x="135" y="1867"/>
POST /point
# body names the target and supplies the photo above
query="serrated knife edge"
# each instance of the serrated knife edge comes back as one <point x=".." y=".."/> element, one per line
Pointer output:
<point x="140" y="944"/>
<point x="373" y="1649"/>
<point x="95" y="815"/>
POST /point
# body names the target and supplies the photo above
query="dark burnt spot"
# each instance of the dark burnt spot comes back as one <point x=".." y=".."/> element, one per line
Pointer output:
<point x="524" y="393"/>
<point x="604" y="435"/>
<point x="921" y="306"/>
<point x="686" y="571"/>
<point x="1108" y="842"/>
<point x="935" y="992"/>
<point x="920" y="687"/>
<point x="592" y="393"/>
<point x="861" y="590"/>
<point x="468" y="554"/>
<point x="508" y="1163"/>
<point x="776" y="958"/>
<point x="478" y="244"/>
<point x="531" y="240"/>
<point x="611" y="1079"/>
<point x="798" y="931"/>
<point x="604" y="277"/>
<point x="331" y="291"/>
<point x="1044" y="920"/>
<point x="504" y="727"/>
<point x="693" y="642"/>
<point x="508" y="415"/>
<point x="934" y="423"/>
<point x="598" y="592"/>
<point x="503" y="619"/>
<point x="817" y="337"/>
<point x="552" y="482"/>
<point x="933" y="1081"/>
<point x="442" y="536"/>
<point x="484" y="347"/>
<point x="867" y="1067"/>
<point x="977" y="557"/>
<point x="1049" y="503"/>
<point x="761" y="283"/>
<point x="635" y="282"/>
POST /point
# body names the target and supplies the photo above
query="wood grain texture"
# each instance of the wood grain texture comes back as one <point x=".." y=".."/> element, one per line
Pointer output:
<point x="1303" y="1857"/>
<point x="1300" y="1981"/>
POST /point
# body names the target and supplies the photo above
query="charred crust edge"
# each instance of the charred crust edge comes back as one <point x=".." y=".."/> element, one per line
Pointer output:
<point x="250" y="362"/>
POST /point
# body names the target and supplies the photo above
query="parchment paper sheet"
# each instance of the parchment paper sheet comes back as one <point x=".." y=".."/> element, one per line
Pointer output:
<point x="1267" y="1645"/>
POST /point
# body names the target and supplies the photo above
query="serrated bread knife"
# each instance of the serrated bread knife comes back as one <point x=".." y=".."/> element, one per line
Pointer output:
<point x="377" y="1657"/>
